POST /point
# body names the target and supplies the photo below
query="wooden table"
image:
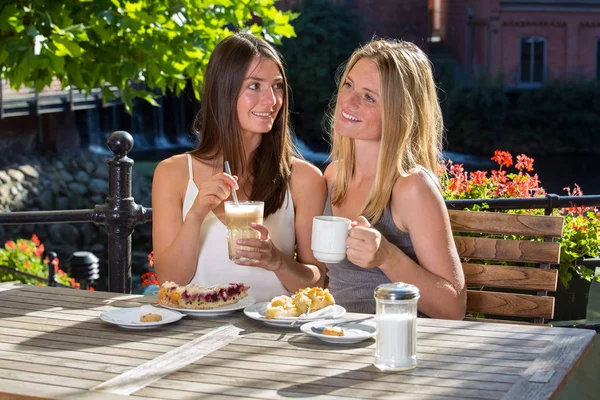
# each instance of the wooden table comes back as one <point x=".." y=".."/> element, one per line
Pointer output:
<point x="53" y="345"/>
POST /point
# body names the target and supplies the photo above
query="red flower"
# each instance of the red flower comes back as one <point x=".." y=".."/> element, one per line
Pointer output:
<point x="478" y="177"/>
<point x="35" y="239"/>
<point x="149" y="278"/>
<point x="499" y="176"/>
<point x="456" y="169"/>
<point x="27" y="264"/>
<point x="524" y="162"/>
<point x="39" y="251"/>
<point x="441" y="170"/>
<point x="24" y="247"/>
<point x="91" y="289"/>
<point x="11" y="245"/>
<point x="151" y="259"/>
<point x="503" y="158"/>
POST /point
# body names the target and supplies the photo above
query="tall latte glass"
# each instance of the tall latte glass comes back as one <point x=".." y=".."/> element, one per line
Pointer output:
<point x="238" y="218"/>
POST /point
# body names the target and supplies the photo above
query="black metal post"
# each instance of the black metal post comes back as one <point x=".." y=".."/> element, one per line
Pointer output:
<point x="120" y="213"/>
<point x="51" y="268"/>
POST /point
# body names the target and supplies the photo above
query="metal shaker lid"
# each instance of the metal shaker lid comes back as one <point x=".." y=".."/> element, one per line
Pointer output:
<point x="396" y="291"/>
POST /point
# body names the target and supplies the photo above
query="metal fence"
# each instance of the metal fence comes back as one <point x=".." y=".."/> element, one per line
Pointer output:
<point x="120" y="214"/>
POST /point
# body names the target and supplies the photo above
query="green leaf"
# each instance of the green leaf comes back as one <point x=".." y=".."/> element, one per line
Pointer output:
<point x="32" y="31"/>
<point x="133" y="7"/>
<point x="11" y="17"/>
<point x="107" y="94"/>
<point x="285" y="30"/>
<point x="79" y="32"/>
<point x="66" y="47"/>
<point x="57" y="63"/>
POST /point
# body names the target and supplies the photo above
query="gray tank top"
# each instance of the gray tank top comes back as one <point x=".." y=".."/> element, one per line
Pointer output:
<point x="352" y="286"/>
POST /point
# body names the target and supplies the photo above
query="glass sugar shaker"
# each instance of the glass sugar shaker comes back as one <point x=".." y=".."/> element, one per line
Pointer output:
<point x="396" y="326"/>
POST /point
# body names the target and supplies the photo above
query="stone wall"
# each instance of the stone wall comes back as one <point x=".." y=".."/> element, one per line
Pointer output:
<point x="72" y="180"/>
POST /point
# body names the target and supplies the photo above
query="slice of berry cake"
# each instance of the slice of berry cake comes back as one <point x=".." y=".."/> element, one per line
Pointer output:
<point x="201" y="297"/>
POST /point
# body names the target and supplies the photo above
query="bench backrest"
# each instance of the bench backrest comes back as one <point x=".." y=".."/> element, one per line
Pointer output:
<point x="534" y="282"/>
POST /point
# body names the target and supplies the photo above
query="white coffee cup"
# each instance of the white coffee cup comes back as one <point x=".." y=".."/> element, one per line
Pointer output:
<point x="329" y="236"/>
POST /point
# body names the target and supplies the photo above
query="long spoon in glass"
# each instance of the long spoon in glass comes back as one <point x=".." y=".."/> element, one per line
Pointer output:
<point x="233" y="193"/>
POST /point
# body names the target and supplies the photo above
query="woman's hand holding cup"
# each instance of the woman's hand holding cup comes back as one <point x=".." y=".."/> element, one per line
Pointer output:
<point x="366" y="245"/>
<point x="335" y="238"/>
<point x="263" y="252"/>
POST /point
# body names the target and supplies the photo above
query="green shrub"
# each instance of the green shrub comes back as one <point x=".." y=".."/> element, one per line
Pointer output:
<point x="326" y="37"/>
<point x="26" y="256"/>
<point x="559" y="117"/>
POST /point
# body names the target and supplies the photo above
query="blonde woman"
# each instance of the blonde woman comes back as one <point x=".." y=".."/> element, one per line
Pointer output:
<point x="386" y="133"/>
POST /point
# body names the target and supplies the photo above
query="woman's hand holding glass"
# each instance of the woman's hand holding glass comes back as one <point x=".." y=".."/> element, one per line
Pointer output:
<point x="264" y="254"/>
<point x="367" y="247"/>
<point x="213" y="192"/>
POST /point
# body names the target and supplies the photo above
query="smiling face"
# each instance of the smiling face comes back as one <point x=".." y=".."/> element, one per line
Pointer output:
<point x="260" y="98"/>
<point x="359" y="105"/>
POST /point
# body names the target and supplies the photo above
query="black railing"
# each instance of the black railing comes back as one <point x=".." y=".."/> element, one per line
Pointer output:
<point x="120" y="214"/>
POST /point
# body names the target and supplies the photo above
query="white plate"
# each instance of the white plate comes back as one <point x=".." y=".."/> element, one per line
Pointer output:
<point x="214" y="312"/>
<point x="257" y="312"/>
<point x="130" y="317"/>
<point x="354" y="332"/>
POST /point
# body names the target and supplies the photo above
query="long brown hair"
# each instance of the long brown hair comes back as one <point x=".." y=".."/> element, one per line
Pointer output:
<point x="217" y="123"/>
<point x="412" y="126"/>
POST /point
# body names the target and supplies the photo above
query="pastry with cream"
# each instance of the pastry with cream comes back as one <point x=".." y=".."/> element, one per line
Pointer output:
<point x="304" y="301"/>
<point x="333" y="331"/>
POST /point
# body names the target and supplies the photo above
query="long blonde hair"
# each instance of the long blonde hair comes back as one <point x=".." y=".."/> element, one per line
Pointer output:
<point x="412" y="126"/>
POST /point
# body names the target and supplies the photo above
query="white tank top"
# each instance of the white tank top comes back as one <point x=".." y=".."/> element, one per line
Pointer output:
<point x="214" y="266"/>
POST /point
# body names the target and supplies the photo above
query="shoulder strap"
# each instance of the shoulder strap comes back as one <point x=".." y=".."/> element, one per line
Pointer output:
<point x="190" y="167"/>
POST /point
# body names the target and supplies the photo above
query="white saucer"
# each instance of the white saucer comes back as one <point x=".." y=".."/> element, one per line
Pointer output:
<point x="257" y="312"/>
<point x="130" y="317"/>
<point x="354" y="332"/>
<point x="214" y="312"/>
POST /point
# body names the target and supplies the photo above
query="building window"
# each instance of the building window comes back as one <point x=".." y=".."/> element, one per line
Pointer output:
<point x="533" y="60"/>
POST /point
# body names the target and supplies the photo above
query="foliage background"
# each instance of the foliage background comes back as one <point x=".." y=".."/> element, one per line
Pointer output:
<point x="135" y="47"/>
<point x="560" y="117"/>
<point x="326" y="37"/>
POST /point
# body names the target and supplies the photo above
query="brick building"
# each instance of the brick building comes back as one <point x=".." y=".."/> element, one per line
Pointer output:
<point x="526" y="41"/>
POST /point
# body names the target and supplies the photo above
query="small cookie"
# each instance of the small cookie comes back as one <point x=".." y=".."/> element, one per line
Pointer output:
<point x="333" y="331"/>
<point x="151" y="318"/>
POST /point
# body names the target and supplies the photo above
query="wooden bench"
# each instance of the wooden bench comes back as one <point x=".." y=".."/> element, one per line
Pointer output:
<point x="508" y="291"/>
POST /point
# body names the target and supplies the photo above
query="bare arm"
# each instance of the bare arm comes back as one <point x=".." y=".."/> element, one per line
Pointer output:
<point x="176" y="243"/>
<point x="417" y="207"/>
<point x="309" y="193"/>
<point x="420" y="209"/>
